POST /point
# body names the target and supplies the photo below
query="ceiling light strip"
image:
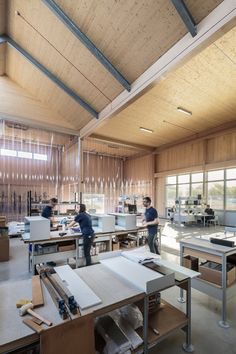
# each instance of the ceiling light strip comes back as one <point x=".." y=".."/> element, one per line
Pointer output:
<point x="146" y="130"/>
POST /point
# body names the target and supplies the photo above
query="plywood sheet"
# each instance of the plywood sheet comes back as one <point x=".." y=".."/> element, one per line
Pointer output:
<point x="37" y="293"/>
<point x="71" y="337"/>
<point x="83" y="294"/>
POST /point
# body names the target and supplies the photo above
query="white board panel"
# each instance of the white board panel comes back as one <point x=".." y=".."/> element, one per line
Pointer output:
<point x="143" y="278"/>
<point x="83" y="294"/>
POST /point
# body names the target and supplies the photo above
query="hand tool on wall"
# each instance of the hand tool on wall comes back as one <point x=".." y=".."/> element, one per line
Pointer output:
<point x="28" y="309"/>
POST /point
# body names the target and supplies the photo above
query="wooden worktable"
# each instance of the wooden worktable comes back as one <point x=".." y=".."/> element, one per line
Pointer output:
<point x="112" y="290"/>
<point x="13" y="333"/>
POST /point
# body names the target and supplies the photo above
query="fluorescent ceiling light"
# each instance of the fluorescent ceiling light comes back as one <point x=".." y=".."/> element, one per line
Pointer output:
<point x="185" y="111"/>
<point x="146" y="130"/>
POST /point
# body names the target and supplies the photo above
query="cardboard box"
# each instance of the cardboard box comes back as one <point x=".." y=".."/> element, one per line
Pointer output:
<point x="115" y="246"/>
<point x="4" y="250"/>
<point x="66" y="246"/>
<point x="190" y="262"/>
<point x="4" y="244"/>
<point x="212" y="272"/>
<point x="2" y="221"/>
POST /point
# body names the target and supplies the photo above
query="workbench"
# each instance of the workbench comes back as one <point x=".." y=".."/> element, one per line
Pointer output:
<point x="34" y="258"/>
<point x="54" y="237"/>
<point x="204" y="249"/>
<point x="113" y="290"/>
<point x="14" y="334"/>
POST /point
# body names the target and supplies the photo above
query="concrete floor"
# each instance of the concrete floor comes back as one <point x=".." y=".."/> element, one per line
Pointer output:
<point x="207" y="336"/>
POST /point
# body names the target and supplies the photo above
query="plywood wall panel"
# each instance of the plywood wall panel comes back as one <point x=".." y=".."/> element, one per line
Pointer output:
<point x="70" y="164"/>
<point x="221" y="148"/>
<point x="216" y="151"/>
<point x="140" y="168"/>
<point x="2" y="16"/>
<point x="24" y="171"/>
<point x="2" y="58"/>
<point x="180" y="156"/>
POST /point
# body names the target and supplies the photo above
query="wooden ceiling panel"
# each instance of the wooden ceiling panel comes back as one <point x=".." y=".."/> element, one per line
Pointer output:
<point x="2" y="16"/>
<point x="31" y="135"/>
<point x="106" y="148"/>
<point x="133" y="34"/>
<point x="206" y="85"/>
<point x="42" y="34"/>
<point x="201" y="9"/>
<point x="2" y="58"/>
<point x="32" y="80"/>
<point x="17" y="102"/>
<point x="227" y="45"/>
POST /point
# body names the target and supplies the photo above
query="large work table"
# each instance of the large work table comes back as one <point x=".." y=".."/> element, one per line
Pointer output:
<point x="54" y="238"/>
<point x="114" y="292"/>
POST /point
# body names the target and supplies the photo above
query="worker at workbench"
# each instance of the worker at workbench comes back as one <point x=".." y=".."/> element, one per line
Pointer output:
<point x="151" y="220"/>
<point x="85" y="222"/>
<point x="210" y="212"/>
<point x="47" y="211"/>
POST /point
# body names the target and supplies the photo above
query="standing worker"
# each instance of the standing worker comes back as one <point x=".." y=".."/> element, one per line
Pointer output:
<point x="85" y="223"/>
<point x="47" y="211"/>
<point x="151" y="221"/>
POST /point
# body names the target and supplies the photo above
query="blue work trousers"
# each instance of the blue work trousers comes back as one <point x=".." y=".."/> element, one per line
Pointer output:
<point x="87" y="241"/>
<point x="152" y="243"/>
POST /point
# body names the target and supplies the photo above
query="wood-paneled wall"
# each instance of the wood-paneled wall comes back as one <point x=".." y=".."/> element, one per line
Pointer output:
<point x="222" y="148"/>
<point x="2" y="58"/>
<point x="20" y="175"/>
<point x="202" y="155"/>
<point x="2" y="16"/>
<point x="181" y="156"/>
<point x="139" y="177"/>
<point x="140" y="168"/>
<point x="14" y="170"/>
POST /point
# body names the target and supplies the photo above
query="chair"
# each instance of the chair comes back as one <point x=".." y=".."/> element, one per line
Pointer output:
<point x="214" y="221"/>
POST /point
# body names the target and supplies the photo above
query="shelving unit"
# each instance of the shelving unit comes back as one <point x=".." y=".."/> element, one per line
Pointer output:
<point x="203" y="249"/>
<point x="166" y="319"/>
<point x="188" y="209"/>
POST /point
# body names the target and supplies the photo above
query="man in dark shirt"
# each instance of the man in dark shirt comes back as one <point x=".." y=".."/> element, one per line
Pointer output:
<point x="47" y="211"/>
<point x="209" y="211"/>
<point x="85" y="223"/>
<point x="151" y="221"/>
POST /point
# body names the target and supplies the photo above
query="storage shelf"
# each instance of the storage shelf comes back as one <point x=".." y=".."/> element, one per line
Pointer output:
<point x="55" y="256"/>
<point x="166" y="320"/>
